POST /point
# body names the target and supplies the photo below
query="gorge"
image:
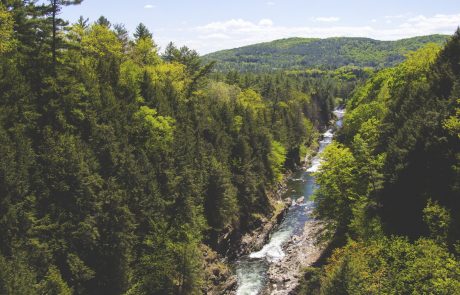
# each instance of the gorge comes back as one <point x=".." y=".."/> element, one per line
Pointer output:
<point x="297" y="226"/>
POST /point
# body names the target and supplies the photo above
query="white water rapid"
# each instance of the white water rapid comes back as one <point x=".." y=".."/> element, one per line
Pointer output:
<point x="251" y="270"/>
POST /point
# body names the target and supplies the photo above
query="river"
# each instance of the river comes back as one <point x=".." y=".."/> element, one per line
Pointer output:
<point x="252" y="269"/>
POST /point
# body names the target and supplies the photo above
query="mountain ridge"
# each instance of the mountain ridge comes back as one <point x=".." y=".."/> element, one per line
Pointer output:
<point x="329" y="53"/>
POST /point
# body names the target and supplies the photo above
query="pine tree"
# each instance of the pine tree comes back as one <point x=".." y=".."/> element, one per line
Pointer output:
<point x="122" y="35"/>
<point x="142" y="32"/>
<point x="83" y="22"/>
<point x="103" y="21"/>
<point x="171" y="52"/>
<point x="55" y="9"/>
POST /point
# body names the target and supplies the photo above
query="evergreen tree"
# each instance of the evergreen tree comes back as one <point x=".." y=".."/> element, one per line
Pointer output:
<point x="142" y="32"/>
<point x="83" y="22"/>
<point x="103" y="21"/>
<point x="55" y="9"/>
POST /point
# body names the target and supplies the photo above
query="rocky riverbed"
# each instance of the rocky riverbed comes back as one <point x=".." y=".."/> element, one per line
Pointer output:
<point x="226" y="282"/>
<point x="301" y="251"/>
<point x="290" y="246"/>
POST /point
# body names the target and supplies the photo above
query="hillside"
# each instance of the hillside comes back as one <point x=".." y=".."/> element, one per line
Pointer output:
<point x="330" y="53"/>
<point x="124" y="171"/>
<point x="388" y="185"/>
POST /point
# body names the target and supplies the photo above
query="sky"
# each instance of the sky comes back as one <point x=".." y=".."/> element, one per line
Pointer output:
<point x="211" y="25"/>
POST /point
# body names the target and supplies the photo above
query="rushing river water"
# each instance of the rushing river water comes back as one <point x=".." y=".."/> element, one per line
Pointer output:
<point x="252" y="269"/>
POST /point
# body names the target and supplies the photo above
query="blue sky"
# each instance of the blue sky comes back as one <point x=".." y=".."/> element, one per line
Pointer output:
<point x="210" y="25"/>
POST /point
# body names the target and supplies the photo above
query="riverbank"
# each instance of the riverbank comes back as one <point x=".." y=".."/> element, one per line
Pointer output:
<point x="220" y="278"/>
<point x="256" y="239"/>
<point x="302" y="250"/>
<point x="277" y="267"/>
<point x="225" y="282"/>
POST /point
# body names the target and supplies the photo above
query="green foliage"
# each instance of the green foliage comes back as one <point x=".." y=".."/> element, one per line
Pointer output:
<point x="378" y="116"/>
<point x="395" y="171"/>
<point x="116" y="165"/>
<point x="142" y="32"/>
<point x="104" y="22"/>
<point x="157" y="131"/>
<point x="420" y="153"/>
<point x="145" y="52"/>
<point x="6" y="30"/>
<point x="100" y="42"/>
<point x="80" y="272"/>
<point x="438" y="220"/>
<point x="53" y="283"/>
<point x="310" y="283"/>
<point x="370" y="113"/>
<point x="337" y="183"/>
<point x="220" y="205"/>
<point x="452" y="124"/>
<point x="277" y="159"/>
<point x="251" y="101"/>
<point x="17" y="277"/>
<point x="391" y="266"/>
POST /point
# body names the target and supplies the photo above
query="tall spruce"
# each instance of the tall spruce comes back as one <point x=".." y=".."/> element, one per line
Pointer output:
<point x="57" y="23"/>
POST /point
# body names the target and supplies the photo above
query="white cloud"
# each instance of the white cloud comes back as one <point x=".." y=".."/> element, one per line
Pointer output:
<point x="439" y="23"/>
<point x="265" y="22"/>
<point x="417" y="18"/>
<point x="149" y="6"/>
<point x="233" y="24"/>
<point x="214" y="36"/>
<point x="329" y="19"/>
<point x="398" y="16"/>
<point x="374" y="20"/>
<point x="239" y="32"/>
<point x="270" y="3"/>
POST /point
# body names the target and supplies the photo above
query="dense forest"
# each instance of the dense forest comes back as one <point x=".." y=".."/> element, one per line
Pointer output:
<point x="121" y="166"/>
<point x="389" y="187"/>
<point x="126" y="170"/>
<point x="324" y="54"/>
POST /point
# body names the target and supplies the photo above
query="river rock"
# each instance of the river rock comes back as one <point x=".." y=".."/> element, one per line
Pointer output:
<point x="304" y="252"/>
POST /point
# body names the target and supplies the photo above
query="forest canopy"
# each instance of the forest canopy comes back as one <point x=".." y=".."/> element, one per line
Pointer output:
<point x="118" y="164"/>
<point x="324" y="54"/>
<point x="389" y="187"/>
<point x="125" y="169"/>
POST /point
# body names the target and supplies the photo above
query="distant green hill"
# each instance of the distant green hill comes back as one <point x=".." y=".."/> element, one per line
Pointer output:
<point x="330" y="53"/>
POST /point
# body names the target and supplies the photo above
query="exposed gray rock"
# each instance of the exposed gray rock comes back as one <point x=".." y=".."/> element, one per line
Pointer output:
<point x="301" y="251"/>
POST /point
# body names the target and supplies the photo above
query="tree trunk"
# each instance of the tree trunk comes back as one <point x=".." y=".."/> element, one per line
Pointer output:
<point x="53" y="45"/>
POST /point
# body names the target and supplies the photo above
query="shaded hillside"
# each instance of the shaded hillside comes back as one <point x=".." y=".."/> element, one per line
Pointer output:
<point x="388" y="186"/>
<point x="121" y="170"/>
<point x="331" y="53"/>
